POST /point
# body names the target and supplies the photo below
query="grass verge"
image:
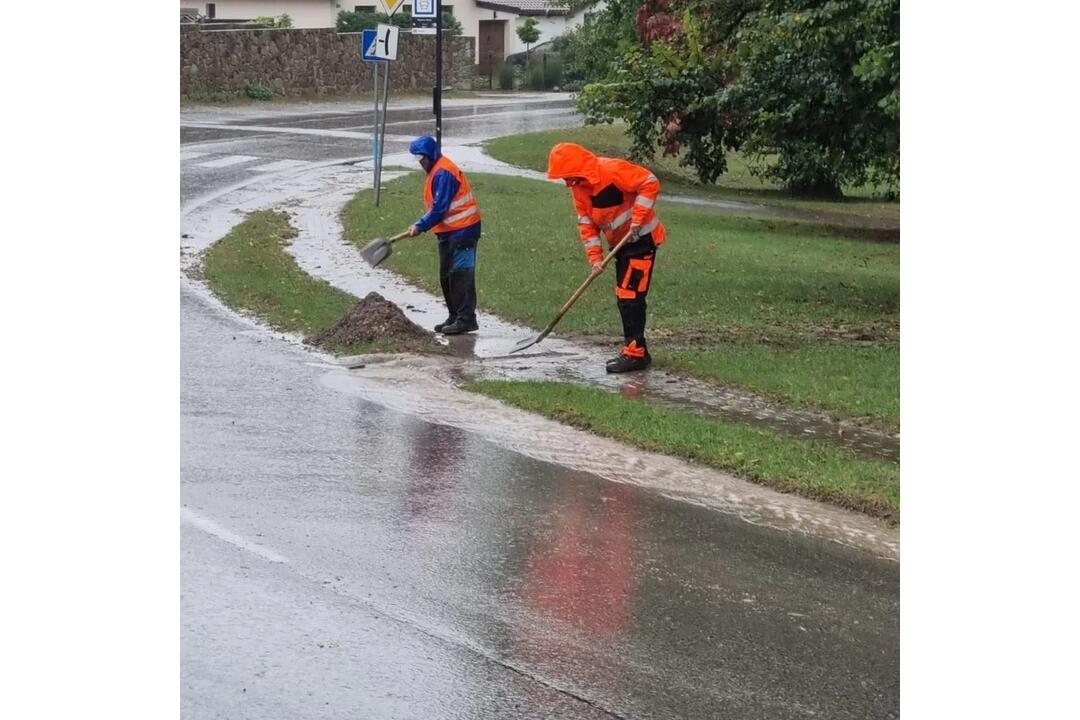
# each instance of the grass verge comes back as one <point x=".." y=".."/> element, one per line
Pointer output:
<point x="250" y="271"/>
<point x="530" y="151"/>
<point x="782" y="308"/>
<point x="805" y="467"/>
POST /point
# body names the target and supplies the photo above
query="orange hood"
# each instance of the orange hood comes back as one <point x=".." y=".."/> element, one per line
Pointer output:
<point x="570" y="160"/>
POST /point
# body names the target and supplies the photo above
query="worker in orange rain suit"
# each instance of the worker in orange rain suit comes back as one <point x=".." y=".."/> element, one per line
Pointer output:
<point x="616" y="197"/>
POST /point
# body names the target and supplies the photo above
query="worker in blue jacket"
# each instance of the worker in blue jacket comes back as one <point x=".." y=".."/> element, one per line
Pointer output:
<point x="453" y="214"/>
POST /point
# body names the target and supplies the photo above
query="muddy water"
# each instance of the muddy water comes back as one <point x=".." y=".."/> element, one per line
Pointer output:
<point x="409" y="386"/>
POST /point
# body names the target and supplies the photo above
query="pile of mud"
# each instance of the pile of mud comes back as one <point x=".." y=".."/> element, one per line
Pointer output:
<point x="376" y="320"/>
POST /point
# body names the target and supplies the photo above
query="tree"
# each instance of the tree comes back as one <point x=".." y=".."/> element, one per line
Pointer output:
<point x="528" y="33"/>
<point x="818" y="84"/>
<point x="808" y="89"/>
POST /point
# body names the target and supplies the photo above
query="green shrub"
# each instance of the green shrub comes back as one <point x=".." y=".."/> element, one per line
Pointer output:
<point x="283" y="21"/>
<point x="534" y="77"/>
<point x="552" y="70"/>
<point x="210" y="96"/>
<point x="263" y="21"/>
<point x="348" y="21"/>
<point x="543" y="73"/>
<point x="505" y="74"/>
<point x="256" y="91"/>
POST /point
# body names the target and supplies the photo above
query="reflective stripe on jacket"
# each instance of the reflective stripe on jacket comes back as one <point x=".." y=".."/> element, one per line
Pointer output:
<point x="463" y="210"/>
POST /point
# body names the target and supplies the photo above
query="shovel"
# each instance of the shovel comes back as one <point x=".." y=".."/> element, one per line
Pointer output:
<point x="529" y="342"/>
<point x="379" y="249"/>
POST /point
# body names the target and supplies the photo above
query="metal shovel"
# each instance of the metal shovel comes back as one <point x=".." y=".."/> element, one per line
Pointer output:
<point x="379" y="249"/>
<point x="529" y="342"/>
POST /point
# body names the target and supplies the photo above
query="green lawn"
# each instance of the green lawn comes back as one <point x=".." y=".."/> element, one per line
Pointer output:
<point x="766" y="305"/>
<point x="805" y="467"/>
<point x="531" y="151"/>
<point x="250" y="271"/>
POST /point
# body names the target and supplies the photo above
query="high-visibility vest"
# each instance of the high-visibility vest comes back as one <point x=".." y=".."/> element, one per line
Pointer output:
<point x="463" y="210"/>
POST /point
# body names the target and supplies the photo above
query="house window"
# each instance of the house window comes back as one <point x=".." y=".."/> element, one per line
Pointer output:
<point x="211" y="10"/>
<point x="364" y="8"/>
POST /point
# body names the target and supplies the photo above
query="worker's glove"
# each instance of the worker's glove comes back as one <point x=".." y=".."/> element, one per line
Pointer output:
<point x="634" y="235"/>
<point x="597" y="267"/>
<point x="413" y="231"/>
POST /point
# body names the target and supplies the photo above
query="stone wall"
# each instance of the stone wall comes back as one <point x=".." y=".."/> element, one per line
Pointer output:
<point x="311" y="61"/>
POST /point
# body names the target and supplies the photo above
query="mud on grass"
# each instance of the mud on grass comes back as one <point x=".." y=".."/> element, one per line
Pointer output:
<point x="805" y="467"/>
<point x="250" y="271"/>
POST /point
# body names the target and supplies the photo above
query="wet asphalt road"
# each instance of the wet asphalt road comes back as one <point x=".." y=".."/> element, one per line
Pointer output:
<point x="342" y="560"/>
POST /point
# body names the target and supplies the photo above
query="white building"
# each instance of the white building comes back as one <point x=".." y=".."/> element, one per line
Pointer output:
<point x="304" y="13"/>
<point x="493" y="23"/>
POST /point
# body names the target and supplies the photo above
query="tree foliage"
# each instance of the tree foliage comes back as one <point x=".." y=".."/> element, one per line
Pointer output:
<point x="810" y="89"/>
<point x="528" y="32"/>
<point x="819" y="87"/>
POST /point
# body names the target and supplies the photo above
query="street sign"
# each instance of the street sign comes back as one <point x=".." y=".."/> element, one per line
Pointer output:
<point x="389" y="7"/>
<point x="423" y="8"/>
<point x="367" y="45"/>
<point x="386" y="43"/>
<point x="424" y="16"/>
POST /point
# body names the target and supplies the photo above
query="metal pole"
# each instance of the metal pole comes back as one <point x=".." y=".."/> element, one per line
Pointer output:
<point x="382" y="133"/>
<point x="438" y="74"/>
<point x="375" y="135"/>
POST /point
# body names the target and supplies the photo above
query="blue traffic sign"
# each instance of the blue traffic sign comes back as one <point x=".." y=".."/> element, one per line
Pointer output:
<point x="367" y="44"/>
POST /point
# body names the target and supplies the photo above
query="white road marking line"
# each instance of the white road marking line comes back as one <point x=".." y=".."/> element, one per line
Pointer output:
<point x="318" y="132"/>
<point x="280" y="165"/>
<point x="227" y="161"/>
<point x="206" y="525"/>
<point x="191" y="154"/>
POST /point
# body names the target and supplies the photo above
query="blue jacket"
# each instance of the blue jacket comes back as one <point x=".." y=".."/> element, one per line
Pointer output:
<point x="443" y="189"/>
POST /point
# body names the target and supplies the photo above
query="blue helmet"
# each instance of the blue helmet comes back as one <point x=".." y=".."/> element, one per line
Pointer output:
<point x="425" y="145"/>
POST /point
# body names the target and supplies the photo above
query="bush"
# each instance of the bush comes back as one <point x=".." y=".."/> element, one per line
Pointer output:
<point x="210" y="96"/>
<point x="534" y="77"/>
<point x="348" y="21"/>
<point x="505" y="74"/>
<point x="552" y="66"/>
<point x="544" y="73"/>
<point x="256" y="91"/>
<point x="264" y="21"/>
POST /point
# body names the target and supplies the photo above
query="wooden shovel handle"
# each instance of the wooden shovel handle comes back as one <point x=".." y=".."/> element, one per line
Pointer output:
<point x="585" y="285"/>
<point x="399" y="236"/>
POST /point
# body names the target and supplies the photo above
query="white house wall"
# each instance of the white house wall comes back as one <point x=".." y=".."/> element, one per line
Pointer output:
<point x="304" y="13"/>
<point x="323" y="13"/>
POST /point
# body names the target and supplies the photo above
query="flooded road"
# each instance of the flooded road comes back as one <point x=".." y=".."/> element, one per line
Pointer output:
<point x="370" y="544"/>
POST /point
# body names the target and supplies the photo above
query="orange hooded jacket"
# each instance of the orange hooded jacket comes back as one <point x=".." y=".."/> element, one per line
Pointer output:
<point x="615" y="195"/>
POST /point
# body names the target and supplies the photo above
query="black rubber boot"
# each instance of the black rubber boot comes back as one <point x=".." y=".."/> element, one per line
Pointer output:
<point x="625" y="363"/>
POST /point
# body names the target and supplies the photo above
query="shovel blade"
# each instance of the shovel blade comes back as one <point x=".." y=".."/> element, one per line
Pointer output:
<point x="528" y="342"/>
<point x="375" y="251"/>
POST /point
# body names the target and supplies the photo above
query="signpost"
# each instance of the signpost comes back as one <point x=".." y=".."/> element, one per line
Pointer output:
<point x="427" y="19"/>
<point x="379" y="46"/>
